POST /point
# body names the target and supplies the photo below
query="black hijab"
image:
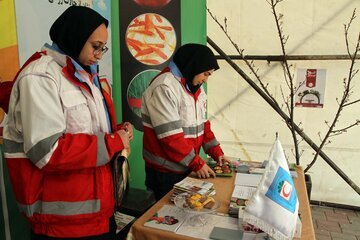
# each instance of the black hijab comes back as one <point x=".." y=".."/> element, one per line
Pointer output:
<point x="192" y="59"/>
<point x="73" y="28"/>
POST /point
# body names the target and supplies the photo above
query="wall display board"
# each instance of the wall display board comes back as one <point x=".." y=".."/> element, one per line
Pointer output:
<point x="150" y="32"/>
<point x="12" y="224"/>
<point x="9" y="61"/>
<point x="34" y="19"/>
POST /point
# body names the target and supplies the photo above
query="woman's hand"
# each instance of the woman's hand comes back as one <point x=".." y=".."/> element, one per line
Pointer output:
<point x="205" y="172"/>
<point x="223" y="159"/>
<point x="128" y="128"/>
<point x="125" y="138"/>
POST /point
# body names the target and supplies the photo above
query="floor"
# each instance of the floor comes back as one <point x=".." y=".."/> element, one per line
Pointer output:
<point x="335" y="223"/>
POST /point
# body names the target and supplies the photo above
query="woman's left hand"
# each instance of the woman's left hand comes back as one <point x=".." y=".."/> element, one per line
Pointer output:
<point x="222" y="159"/>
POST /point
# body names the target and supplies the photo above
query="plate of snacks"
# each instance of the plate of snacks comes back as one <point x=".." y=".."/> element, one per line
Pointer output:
<point x="222" y="171"/>
<point x="196" y="203"/>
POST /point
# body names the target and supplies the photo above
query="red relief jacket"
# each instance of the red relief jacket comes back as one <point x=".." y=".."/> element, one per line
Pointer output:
<point x="56" y="151"/>
<point x="175" y="126"/>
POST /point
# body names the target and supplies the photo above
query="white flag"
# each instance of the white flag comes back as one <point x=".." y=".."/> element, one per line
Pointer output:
<point x="274" y="206"/>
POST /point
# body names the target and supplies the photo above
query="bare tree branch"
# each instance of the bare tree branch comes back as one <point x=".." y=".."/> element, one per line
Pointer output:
<point x="353" y="102"/>
<point x="357" y="122"/>
<point x="346" y="94"/>
<point x="344" y="101"/>
<point x="287" y="74"/>
<point x="250" y="64"/>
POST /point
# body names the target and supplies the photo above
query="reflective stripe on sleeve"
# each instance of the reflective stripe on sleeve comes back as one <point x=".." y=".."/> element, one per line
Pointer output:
<point x="210" y="144"/>
<point x="166" y="163"/>
<point x="168" y="127"/>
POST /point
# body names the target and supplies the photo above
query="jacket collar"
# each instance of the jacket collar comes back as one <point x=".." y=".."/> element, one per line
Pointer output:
<point x="176" y="72"/>
<point x="70" y="68"/>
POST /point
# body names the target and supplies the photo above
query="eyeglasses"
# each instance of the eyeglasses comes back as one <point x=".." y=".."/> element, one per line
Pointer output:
<point x="99" y="49"/>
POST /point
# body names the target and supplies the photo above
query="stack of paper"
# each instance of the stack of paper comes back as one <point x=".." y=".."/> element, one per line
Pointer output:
<point x="238" y="199"/>
<point x="122" y="220"/>
<point x="245" y="185"/>
<point x="193" y="185"/>
<point x="245" y="179"/>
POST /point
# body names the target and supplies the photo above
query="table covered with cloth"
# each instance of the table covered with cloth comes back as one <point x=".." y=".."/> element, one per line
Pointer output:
<point x="224" y="187"/>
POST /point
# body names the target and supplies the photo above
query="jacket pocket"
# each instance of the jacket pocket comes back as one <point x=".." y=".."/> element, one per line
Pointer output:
<point x="202" y="107"/>
<point x="188" y="112"/>
<point x="77" y="113"/>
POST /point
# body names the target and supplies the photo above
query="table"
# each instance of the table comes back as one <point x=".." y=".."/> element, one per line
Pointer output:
<point x="223" y="194"/>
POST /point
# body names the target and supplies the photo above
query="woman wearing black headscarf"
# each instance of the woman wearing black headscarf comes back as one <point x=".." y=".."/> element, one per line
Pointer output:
<point x="174" y="119"/>
<point x="61" y="133"/>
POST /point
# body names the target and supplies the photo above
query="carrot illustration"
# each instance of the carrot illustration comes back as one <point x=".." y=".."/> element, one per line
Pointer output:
<point x="145" y="32"/>
<point x="136" y="42"/>
<point x="158" y="45"/>
<point x="158" y="18"/>
<point x="148" y="22"/>
<point x="150" y="61"/>
<point x="161" y="35"/>
<point x="134" y="46"/>
<point x="167" y="28"/>
<point x="160" y="53"/>
<point x="144" y="52"/>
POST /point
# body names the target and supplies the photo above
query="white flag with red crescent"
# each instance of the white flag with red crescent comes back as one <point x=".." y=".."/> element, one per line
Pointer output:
<point x="274" y="206"/>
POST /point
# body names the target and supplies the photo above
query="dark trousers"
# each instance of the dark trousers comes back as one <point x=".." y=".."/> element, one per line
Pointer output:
<point x="111" y="235"/>
<point x="162" y="182"/>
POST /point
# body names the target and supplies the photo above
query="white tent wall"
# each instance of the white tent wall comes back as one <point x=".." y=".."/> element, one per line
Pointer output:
<point x="246" y="125"/>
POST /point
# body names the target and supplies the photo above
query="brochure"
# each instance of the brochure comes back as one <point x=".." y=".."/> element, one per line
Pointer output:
<point x="242" y="192"/>
<point x="194" y="184"/>
<point x="212" y="220"/>
<point x="168" y="218"/>
<point x="245" y="179"/>
<point x="172" y="218"/>
<point x="122" y="220"/>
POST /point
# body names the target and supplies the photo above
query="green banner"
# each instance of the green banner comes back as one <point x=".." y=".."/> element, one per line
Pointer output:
<point x="193" y="30"/>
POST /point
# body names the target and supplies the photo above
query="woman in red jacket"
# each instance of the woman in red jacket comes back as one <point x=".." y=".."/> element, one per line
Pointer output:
<point x="61" y="134"/>
<point x="174" y="118"/>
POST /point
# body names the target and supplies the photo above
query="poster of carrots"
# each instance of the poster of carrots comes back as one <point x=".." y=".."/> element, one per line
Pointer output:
<point x="151" y="39"/>
<point x="9" y="61"/>
<point x="149" y="35"/>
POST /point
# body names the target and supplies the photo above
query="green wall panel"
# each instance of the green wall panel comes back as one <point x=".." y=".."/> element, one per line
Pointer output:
<point x="116" y="86"/>
<point x="193" y="21"/>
